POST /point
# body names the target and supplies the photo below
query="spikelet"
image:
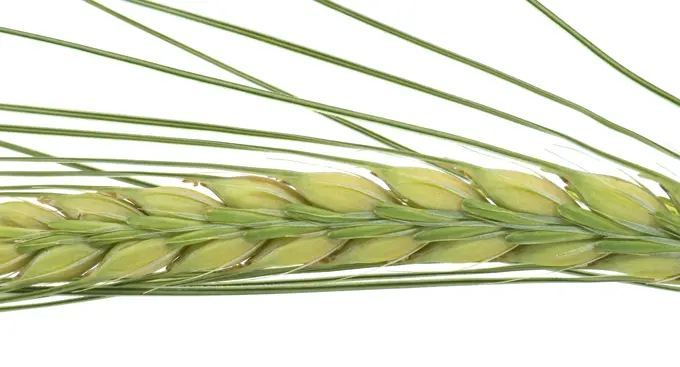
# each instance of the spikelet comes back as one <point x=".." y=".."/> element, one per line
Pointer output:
<point x="615" y="198"/>
<point x="464" y="251"/>
<point x="427" y="188"/>
<point x="519" y="191"/>
<point x="61" y="263"/>
<point x="252" y="192"/>
<point x="376" y="250"/>
<point x="285" y="252"/>
<point x="134" y="259"/>
<point x="166" y="201"/>
<point x="26" y="215"/>
<point x="11" y="260"/>
<point x="650" y="267"/>
<point x="564" y="254"/>
<point x="214" y="254"/>
<point x="340" y="192"/>
<point x="90" y="206"/>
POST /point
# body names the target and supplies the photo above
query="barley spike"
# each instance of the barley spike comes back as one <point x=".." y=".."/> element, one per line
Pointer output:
<point x="164" y="236"/>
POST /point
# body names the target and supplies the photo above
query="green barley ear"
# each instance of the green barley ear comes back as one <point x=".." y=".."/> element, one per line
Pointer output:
<point x="558" y="254"/>
<point x="134" y="259"/>
<point x="61" y="263"/>
<point x="376" y="250"/>
<point x="519" y="191"/>
<point x="286" y="252"/>
<point x="26" y="215"/>
<point x="620" y="200"/>
<point x="214" y="254"/>
<point x="649" y="267"/>
<point x="252" y="192"/>
<point x="426" y="188"/>
<point x="469" y="251"/>
<point x="340" y="192"/>
<point x="91" y="206"/>
<point x="12" y="260"/>
<point x="170" y="201"/>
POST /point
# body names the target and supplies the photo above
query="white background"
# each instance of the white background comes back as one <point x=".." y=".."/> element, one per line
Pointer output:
<point x="513" y="325"/>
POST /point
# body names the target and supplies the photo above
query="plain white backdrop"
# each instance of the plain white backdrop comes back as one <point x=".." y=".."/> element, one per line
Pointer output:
<point x="514" y="325"/>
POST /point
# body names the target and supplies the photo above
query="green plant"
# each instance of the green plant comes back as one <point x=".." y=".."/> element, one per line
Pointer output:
<point x="112" y="241"/>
